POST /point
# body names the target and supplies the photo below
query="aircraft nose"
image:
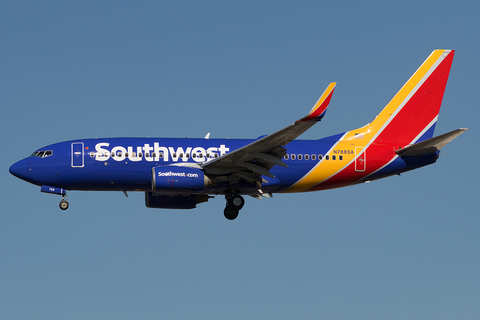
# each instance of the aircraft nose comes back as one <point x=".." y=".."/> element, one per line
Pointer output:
<point x="19" y="169"/>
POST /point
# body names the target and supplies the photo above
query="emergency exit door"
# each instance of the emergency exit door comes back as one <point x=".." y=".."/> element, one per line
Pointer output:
<point x="360" y="159"/>
<point x="77" y="155"/>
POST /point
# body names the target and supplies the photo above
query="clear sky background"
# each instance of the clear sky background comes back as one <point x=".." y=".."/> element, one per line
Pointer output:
<point x="406" y="247"/>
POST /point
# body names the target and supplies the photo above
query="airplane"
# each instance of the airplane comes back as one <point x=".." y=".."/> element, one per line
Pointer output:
<point x="179" y="173"/>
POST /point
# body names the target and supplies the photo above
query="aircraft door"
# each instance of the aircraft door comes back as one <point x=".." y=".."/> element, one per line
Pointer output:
<point x="77" y="155"/>
<point x="360" y="159"/>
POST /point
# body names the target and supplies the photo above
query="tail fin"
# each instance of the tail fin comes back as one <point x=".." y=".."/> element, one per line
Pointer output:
<point x="411" y="115"/>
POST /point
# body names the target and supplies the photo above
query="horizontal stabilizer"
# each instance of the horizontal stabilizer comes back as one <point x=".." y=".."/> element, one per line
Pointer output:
<point x="431" y="145"/>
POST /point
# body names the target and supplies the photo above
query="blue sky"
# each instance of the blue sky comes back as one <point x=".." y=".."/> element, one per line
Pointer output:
<point x="401" y="248"/>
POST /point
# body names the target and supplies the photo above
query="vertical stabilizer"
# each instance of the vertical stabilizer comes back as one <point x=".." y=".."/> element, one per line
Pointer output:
<point x="411" y="115"/>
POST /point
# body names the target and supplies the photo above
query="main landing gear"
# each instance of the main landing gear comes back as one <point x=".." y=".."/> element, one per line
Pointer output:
<point x="234" y="204"/>
<point x="63" y="204"/>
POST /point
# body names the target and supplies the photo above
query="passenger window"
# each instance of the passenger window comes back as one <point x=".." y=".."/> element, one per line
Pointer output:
<point x="307" y="157"/>
<point x="160" y="155"/>
<point x="285" y="157"/>
<point x="340" y="157"/>
<point x="314" y="157"/>
<point x="320" y="157"/>
<point x="300" y="157"/>
<point x="327" y="157"/>
<point x="334" y="157"/>
<point x="293" y="157"/>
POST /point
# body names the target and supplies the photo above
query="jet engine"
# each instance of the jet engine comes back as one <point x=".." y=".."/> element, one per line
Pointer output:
<point x="175" y="179"/>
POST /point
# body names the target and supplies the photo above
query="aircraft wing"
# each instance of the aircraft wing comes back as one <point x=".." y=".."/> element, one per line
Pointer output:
<point x="258" y="157"/>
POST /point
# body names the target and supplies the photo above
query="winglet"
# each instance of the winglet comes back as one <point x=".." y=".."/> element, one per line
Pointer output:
<point x="319" y="109"/>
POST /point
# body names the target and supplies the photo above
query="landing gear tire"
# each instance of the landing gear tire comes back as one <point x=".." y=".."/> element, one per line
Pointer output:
<point x="63" y="205"/>
<point x="236" y="202"/>
<point x="230" y="212"/>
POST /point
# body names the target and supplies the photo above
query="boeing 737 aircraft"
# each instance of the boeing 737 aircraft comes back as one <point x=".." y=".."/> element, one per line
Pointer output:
<point x="181" y="173"/>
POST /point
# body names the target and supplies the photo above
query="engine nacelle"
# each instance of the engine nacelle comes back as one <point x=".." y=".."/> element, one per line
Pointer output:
<point x="174" y="201"/>
<point x="173" y="179"/>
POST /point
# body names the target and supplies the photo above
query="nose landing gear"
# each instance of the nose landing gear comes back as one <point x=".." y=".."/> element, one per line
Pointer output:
<point x="234" y="204"/>
<point x="63" y="204"/>
<point x="55" y="190"/>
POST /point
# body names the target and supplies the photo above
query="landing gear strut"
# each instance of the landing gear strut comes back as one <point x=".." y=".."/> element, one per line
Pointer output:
<point x="234" y="204"/>
<point x="63" y="204"/>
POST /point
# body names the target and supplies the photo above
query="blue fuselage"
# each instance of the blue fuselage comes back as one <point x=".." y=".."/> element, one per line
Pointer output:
<point x="125" y="164"/>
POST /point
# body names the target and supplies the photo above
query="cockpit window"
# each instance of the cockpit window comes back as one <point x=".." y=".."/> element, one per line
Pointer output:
<point x="42" y="154"/>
